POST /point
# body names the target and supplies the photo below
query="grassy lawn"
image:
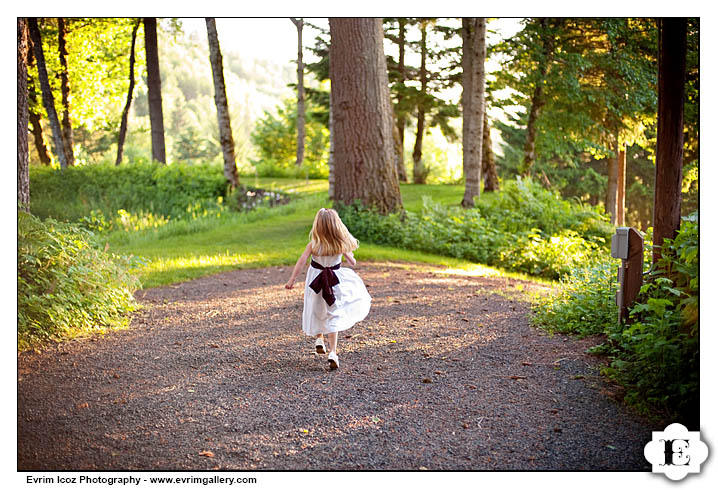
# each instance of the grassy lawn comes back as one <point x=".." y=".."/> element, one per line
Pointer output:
<point x="266" y="237"/>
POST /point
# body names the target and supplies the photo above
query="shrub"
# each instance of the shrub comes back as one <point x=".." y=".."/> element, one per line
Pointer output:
<point x="66" y="283"/>
<point x="106" y="196"/>
<point x="656" y="356"/>
<point x="555" y="236"/>
<point x="585" y="304"/>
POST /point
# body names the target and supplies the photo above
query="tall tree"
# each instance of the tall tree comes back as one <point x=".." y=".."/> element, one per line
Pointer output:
<point x="669" y="146"/>
<point x="34" y="115"/>
<point x="420" y="170"/>
<point x="220" y="100"/>
<point x="47" y="98"/>
<point x="545" y="55"/>
<point x="299" y="23"/>
<point x="472" y="102"/>
<point x="612" y="185"/>
<point x="401" y="116"/>
<point x="362" y="112"/>
<point x="23" y="176"/>
<point x="130" y="89"/>
<point x="154" y="90"/>
<point x="65" y="92"/>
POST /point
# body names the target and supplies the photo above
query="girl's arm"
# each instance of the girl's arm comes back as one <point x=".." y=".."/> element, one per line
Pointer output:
<point x="297" y="267"/>
<point x="350" y="258"/>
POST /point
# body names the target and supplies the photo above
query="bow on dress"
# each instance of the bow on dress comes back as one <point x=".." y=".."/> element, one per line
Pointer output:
<point x="325" y="281"/>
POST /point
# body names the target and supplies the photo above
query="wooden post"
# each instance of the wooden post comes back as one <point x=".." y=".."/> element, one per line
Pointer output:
<point x="631" y="274"/>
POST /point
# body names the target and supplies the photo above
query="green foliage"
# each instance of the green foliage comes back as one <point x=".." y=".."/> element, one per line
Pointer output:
<point x="67" y="284"/>
<point x="275" y="137"/>
<point x="142" y="194"/>
<point x="585" y="304"/>
<point x="524" y="229"/>
<point x="656" y="355"/>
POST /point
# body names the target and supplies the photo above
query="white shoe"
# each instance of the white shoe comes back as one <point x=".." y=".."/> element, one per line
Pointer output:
<point x="319" y="346"/>
<point x="333" y="360"/>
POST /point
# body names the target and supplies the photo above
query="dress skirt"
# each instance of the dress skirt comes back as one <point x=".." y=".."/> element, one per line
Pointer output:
<point x="351" y="305"/>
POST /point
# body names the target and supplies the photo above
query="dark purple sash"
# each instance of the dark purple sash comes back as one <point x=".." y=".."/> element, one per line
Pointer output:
<point x="325" y="281"/>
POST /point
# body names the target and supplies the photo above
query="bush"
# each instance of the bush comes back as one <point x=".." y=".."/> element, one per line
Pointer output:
<point x="135" y="195"/>
<point x="656" y="356"/>
<point x="66" y="283"/>
<point x="554" y="237"/>
<point x="585" y="304"/>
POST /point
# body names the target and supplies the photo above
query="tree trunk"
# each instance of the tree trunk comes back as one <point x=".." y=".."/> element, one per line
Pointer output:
<point x="220" y="100"/>
<point x="131" y="88"/>
<point x="23" y="169"/>
<point x="612" y="188"/>
<point x="401" y="119"/>
<point x="398" y="151"/>
<point x="154" y="91"/>
<point x="420" y="172"/>
<point x="300" y="93"/>
<point x="65" y="91"/>
<point x="621" y="186"/>
<point x="669" y="145"/>
<point x="472" y="100"/>
<point x="35" y="119"/>
<point x="537" y="101"/>
<point x="332" y="171"/>
<point x="364" y="163"/>
<point x="488" y="164"/>
<point x="47" y="98"/>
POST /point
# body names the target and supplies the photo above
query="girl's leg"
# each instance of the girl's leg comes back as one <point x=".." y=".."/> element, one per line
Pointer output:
<point x="319" y="344"/>
<point x="332" y="341"/>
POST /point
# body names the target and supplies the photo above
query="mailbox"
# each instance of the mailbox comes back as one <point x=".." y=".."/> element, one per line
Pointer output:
<point x="627" y="245"/>
<point x="619" y="244"/>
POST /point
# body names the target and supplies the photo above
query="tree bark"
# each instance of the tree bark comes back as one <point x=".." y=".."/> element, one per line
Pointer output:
<point x="537" y="100"/>
<point x="420" y="172"/>
<point x="23" y="169"/>
<point x="472" y="101"/>
<point x="398" y="151"/>
<point x="488" y="164"/>
<point x="669" y="145"/>
<point x="130" y="89"/>
<point x="365" y="168"/>
<point x="332" y="171"/>
<point x="65" y="92"/>
<point x="299" y="23"/>
<point x="621" y="186"/>
<point x="47" y="98"/>
<point x="401" y="118"/>
<point x="154" y="91"/>
<point x="220" y="100"/>
<point x="35" y="119"/>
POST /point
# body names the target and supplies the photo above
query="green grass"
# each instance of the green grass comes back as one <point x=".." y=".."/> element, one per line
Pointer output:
<point x="182" y="251"/>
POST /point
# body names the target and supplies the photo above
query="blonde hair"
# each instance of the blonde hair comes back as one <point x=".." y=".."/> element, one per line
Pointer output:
<point x="329" y="236"/>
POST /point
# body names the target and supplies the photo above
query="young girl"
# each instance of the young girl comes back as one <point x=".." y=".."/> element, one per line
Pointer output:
<point x="335" y="297"/>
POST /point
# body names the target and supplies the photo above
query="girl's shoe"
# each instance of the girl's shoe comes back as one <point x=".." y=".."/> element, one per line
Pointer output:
<point x="333" y="360"/>
<point x="319" y="346"/>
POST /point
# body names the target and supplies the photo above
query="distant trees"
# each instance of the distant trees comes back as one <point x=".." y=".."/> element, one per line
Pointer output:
<point x="220" y="99"/>
<point x="362" y="115"/>
<point x="154" y="90"/>
<point x="65" y="91"/>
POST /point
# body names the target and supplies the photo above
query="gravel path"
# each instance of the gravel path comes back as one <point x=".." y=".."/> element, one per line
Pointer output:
<point x="445" y="374"/>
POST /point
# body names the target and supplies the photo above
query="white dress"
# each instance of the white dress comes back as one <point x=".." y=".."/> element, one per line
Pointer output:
<point x="352" y="300"/>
